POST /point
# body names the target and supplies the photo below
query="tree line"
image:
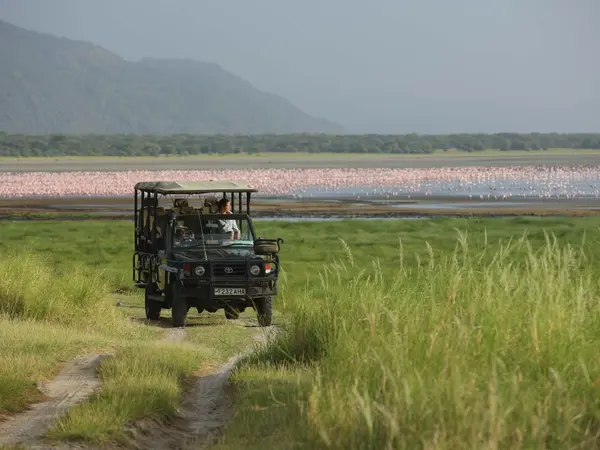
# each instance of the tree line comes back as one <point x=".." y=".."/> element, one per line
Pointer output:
<point x="53" y="145"/>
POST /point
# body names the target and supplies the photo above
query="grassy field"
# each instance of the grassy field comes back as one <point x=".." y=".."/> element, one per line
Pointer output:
<point x="446" y="333"/>
<point x="439" y="158"/>
<point x="56" y="302"/>
<point x="293" y="155"/>
<point x="418" y="336"/>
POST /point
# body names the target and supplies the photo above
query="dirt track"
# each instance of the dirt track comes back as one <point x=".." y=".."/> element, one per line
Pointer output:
<point x="205" y="411"/>
<point x="74" y="384"/>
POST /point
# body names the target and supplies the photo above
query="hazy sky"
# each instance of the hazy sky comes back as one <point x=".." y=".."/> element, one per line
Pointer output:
<point x="428" y="66"/>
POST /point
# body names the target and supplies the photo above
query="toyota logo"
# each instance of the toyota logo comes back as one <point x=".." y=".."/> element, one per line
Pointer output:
<point x="228" y="269"/>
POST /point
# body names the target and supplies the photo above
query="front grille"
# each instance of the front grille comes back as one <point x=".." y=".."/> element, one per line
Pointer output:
<point x="229" y="269"/>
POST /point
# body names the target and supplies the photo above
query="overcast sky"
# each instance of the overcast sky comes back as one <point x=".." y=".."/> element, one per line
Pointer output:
<point x="381" y="66"/>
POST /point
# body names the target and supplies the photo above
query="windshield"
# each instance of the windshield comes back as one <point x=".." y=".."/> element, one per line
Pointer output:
<point x="194" y="230"/>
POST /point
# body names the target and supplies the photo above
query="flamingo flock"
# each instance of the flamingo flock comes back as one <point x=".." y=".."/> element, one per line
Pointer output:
<point x="475" y="182"/>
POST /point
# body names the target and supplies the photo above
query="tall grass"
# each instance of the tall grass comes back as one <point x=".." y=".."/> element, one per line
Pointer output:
<point x="49" y="313"/>
<point x="48" y="316"/>
<point x="467" y="349"/>
<point x="31" y="287"/>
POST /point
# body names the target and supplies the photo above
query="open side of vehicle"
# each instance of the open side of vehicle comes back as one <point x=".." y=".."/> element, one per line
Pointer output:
<point x="188" y="254"/>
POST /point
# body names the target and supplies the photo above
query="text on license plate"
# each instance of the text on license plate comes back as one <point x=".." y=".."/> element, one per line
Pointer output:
<point x="230" y="291"/>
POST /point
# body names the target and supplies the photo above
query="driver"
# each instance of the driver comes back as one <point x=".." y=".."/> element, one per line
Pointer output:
<point x="228" y="226"/>
<point x="183" y="234"/>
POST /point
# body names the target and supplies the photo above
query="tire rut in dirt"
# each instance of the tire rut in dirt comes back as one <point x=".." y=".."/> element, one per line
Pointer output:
<point x="76" y="382"/>
<point x="205" y="411"/>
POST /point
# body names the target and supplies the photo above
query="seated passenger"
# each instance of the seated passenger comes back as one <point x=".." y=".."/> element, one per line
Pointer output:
<point x="228" y="226"/>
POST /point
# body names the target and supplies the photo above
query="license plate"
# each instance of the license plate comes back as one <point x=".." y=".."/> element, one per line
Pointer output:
<point x="230" y="291"/>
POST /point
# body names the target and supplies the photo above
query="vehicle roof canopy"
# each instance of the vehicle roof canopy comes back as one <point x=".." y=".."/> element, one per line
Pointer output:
<point x="193" y="187"/>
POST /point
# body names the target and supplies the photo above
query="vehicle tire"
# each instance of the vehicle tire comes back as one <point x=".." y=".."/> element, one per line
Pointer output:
<point x="152" y="306"/>
<point x="264" y="310"/>
<point x="179" y="311"/>
<point x="231" y="313"/>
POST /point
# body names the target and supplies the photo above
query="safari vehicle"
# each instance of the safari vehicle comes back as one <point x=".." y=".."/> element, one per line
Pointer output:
<point x="184" y="257"/>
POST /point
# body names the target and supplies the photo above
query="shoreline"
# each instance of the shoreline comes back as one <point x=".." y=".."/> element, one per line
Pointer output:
<point x="331" y="207"/>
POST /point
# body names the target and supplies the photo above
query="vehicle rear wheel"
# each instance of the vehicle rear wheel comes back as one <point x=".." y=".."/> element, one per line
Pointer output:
<point x="264" y="310"/>
<point x="152" y="306"/>
<point x="179" y="311"/>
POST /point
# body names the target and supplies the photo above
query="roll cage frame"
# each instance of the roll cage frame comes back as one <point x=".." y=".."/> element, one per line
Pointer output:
<point x="148" y="246"/>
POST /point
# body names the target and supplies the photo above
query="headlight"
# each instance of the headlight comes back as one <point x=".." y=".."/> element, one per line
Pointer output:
<point x="199" y="271"/>
<point x="255" y="270"/>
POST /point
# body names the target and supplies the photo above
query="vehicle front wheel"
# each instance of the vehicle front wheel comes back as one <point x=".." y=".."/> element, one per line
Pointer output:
<point x="264" y="310"/>
<point x="179" y="312"/>
<point x="231" y="313"/>
<point x="152" y="306"/>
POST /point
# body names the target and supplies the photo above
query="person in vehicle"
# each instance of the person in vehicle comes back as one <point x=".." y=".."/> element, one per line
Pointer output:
<point x="228" y="226"/>
<point x="183" y="234"/>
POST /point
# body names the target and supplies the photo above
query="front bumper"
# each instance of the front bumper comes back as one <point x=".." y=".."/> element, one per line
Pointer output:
<point x="205" y="289"/>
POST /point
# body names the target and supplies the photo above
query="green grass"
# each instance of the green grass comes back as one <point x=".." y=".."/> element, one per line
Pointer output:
<point x="144" y="380"/>
<point x="434" y="339"/>
<point x="102" y="247"/>
<point x="397" y="334"/>
<point x="31" y="289"/>
<point x="55" y="305"/>
<point x="106" y="246"/>
<point x="47" y="317"/>
<point x="305" y="155"/>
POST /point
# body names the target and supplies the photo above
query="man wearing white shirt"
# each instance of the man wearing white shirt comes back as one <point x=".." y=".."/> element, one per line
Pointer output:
<point x="228" y="226"/>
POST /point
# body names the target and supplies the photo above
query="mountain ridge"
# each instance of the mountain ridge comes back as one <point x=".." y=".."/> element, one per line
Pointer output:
<point x="51" y="84"/>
